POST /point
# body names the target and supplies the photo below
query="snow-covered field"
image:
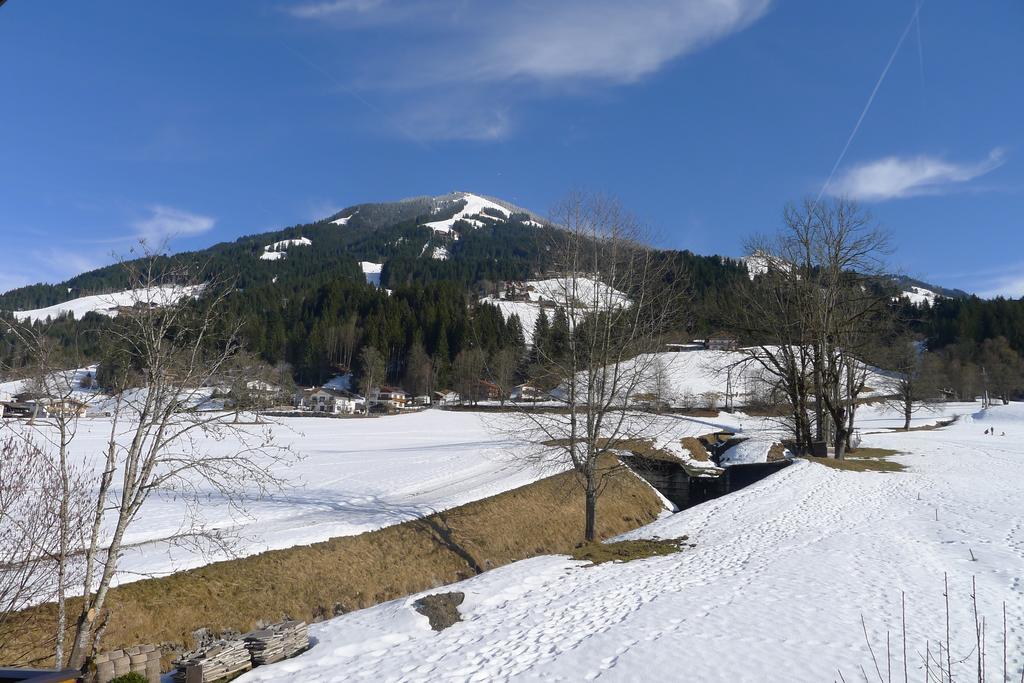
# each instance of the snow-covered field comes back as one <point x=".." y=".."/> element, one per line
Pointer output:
<point x="775" y="589"/>
<point x="356" y="475"/>
<point x="108" y="304"/>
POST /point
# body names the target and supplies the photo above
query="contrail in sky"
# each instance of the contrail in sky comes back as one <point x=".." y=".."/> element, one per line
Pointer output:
<point x="871" y="98"/>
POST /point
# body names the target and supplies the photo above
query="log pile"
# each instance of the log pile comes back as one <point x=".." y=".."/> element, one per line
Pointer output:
<point x="221" y="659"/>
<point x="277" y="642"/>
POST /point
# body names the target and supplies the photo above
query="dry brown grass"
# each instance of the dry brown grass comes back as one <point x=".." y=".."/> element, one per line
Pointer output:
<point x="777" y="452"/>
<point x="863" y="460"/>
<point x="627" y="551"/>
<point x="696" y="448"/>
<point x="353" y="572"/>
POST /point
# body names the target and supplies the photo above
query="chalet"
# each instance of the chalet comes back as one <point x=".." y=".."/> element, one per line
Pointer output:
<point x="66" y="408"/>
<point x="679" y="348"/>
<point x="421" y="401"/>
<point x="721" y="341"/>
<point x="445" y="397"/>
<point x="391" y="397"/>
<point x="527" y="392"/>
<point x="487" y="391"/>
<point x="330" y="401"/>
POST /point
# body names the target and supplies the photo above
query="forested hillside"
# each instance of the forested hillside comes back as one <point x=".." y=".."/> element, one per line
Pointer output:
<point x="308" y="304"/>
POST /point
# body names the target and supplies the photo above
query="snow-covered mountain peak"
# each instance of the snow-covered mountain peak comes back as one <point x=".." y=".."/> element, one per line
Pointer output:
<point x="475" y="206"/>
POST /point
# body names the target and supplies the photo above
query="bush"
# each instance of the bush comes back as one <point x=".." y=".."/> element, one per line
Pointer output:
<point x="133" y="677"/>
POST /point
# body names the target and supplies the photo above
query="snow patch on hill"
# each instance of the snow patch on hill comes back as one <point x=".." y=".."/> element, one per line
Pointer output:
<point x="109" y="304"/>
<point x="372" y="271"/>
<point x="277" y="250"/>
<point x="475" y="206"/>
<point x="548" y="293"/>
<point x="920" y="296"/>
<point x="345" y="219"/>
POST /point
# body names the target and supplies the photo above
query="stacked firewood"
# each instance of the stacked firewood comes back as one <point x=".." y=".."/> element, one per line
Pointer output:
<point x="221" y="659"/>
<point x="277" y="642"/>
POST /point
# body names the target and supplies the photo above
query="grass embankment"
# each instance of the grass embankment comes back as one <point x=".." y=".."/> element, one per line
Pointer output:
<point x="863" y="460"/>
<point x="351" y="572"/>
<point x="627" y="551"/>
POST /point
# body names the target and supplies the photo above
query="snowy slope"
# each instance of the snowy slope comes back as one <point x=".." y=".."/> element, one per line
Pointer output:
<point x="345" y="219"/>
<point x="920" y="296"/>
<point x="372" y="272"/>
<point x="107" y="304"/>
<point x="556" y="290"/>
<point x="693" y="377"/>
<point x="278" y="250"/>
<point x="775" y="589"/>
<point x="475" y="206"/>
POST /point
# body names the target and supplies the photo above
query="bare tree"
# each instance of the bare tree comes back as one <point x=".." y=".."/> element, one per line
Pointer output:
<point x="373" y="370"/>
<point x="53" y="379"/>
<point x="816" y="286"/>
<point x="42" y="506"/>
<point x="467" y="370"/>
<point x="163" y="348"/>
<point x="612" y="291"/>
<point x="502" y="368"/>
<point x="419" y="371"/>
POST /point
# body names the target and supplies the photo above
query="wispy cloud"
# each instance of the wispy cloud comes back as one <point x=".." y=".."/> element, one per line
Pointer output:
<point x="438" y="121"/>
<point x="898" y="177"/>
<point x="507" y="53"/>
<point x="165" y="222"/>
<point x="609" y="40"/>
<point x="334" y="8"/>
<point x="1005" y="280"/>
<point x="1011" y="286"/>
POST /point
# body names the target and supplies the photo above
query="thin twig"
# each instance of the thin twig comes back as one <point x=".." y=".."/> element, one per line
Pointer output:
<point x="870" y="649"/>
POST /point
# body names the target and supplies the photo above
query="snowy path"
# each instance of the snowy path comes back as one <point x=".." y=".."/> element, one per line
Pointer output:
<point x="774" y="590"/>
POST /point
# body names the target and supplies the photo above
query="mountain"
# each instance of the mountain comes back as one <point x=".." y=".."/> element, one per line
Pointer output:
<point x="399" y="276"/>
<point x="483" y="238"/>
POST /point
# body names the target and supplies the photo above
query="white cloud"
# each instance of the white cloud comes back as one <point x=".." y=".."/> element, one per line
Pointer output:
<point x="438" y="121"/>
<point x="333" y="8"/>
<point x="165" y="222"/>
<point x="607" y="40"/>
<point x="503" y="54"/>
<point x="895" y="177"/>
<point x="1010" y="285"/>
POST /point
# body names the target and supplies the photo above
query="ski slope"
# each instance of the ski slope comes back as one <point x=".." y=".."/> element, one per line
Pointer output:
<point x="775" y="589"/>
<point x="108" y="304"/>
<point x="475" y="206"/>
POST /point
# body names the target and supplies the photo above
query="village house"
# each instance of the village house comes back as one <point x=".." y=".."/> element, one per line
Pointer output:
<point x="527" y="392"/>
<point x="487" y="391"/>
<point x="722" y="341"/>
<point x="330" y="401"/>
<point x="390" y="397"/>
<point x="690" y="346"/>
<point x="445" y="397"/>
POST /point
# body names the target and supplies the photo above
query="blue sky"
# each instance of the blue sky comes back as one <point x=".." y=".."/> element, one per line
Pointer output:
<point x="210" y="120"/>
